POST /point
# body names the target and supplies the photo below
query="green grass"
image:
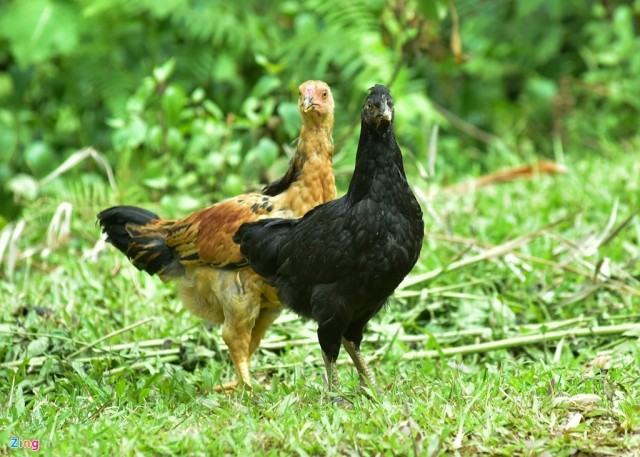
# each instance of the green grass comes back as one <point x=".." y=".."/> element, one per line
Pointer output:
<point x="147" y="388"/>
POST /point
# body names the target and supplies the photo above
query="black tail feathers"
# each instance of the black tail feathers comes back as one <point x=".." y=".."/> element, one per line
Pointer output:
<point x="130" y="229"/>
<point x="113" y="221"/>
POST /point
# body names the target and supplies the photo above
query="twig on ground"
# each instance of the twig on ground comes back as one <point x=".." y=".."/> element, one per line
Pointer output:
<point x="109" y="335"/>
<point x="509" y="343"/>
<point x="492" y="252"/>
<point x="142" y="364"/>
<point x="610" y="283"/>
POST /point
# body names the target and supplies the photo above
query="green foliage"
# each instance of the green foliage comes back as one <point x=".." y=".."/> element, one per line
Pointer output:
<point x="180" y="95"/>
<point x="543" y="74"/>
<point x="39" y="30"/>
<point x="198" y="96"/>
<point x="180" y="140"/>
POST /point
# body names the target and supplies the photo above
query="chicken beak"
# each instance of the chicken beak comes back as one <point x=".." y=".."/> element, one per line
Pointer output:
<point x="386" y="112"/>
<point x="307" y="102"/>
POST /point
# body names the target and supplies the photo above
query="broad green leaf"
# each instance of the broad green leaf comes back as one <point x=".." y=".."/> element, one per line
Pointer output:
<point x="290" y="116"/>
<point x="266" y="151"/>
<point x="233" y="184"/>
<point x="435" y="10"/>
<point x="163" y="72"/>
<point x="39" y="158"/>
<point x="265" y="85"/>
<point x="6" y="84"/>
<point x="173" y="101"/>
<point x="39" y="29"/>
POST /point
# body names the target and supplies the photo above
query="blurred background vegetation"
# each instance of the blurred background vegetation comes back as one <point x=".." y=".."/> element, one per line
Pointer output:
<point x="194" y="100"/>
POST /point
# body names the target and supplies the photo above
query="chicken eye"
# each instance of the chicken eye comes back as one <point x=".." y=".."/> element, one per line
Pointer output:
<point x="324" y="94"/>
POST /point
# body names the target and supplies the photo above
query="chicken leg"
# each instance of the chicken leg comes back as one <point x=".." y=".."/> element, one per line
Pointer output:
<point x="330" y="368"/>
<point x="363" y="371"/>
<point x="263" y="322"/>
<point x="243" y="337"/>
<point x="238" y="343"/>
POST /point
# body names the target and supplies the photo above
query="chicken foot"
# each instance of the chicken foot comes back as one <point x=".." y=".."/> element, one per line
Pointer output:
<point x="238" y="344"/>
<point x="332" y="381"/>
<point x="363" y="371"/>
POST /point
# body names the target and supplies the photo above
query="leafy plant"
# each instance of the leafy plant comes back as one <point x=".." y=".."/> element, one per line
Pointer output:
<point x="199" y="95"/>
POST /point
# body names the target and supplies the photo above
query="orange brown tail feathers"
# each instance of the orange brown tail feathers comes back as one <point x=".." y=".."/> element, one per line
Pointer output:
<point x="141" y="236"/>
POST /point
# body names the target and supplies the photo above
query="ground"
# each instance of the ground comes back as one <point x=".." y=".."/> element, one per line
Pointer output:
<point x="99" y="359"/>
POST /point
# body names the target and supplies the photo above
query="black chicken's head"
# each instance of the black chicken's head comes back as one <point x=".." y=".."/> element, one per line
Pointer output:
<point x="378" y="107"/>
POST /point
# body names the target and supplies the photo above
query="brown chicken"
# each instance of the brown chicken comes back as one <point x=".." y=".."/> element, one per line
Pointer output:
<point x="214" y="281"/>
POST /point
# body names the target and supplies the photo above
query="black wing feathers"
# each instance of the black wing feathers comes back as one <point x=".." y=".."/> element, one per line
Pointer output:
<point x="263" y="243"/>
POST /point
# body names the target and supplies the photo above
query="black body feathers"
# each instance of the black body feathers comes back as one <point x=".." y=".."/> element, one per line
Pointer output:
<point x="339" y="263"/>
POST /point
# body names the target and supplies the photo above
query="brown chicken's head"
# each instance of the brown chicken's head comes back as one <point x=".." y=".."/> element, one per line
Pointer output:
<point x="378" y="107"/>
<point x="315" y="100"/>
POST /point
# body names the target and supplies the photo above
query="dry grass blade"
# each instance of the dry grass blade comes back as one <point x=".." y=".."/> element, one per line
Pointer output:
<point x="145" y="344"/>
<point x="13" y="385"/>
<point x="432" y="152"/>
<point x="495" y="251"/>
<point x="618" y="229"/>
<point x="608" y="230"/>
<point x="527" y="171"/>
<point x="60" y="227"/>
<point x="78" y="157"/>
<point x="610" y="283"/>
<point x="5" y="238"/>
<point x="9" y="243"/>
<point x="40" y="360"/>
<point x="479" y="332"/>
<point x="585" y="292"/>
<point x="522" y="341"/>
<point x="433" y="291"/>
<point x="141" y="365"/>
<point x="161" y="342"/>
<point x="589" y="245"/>
<point x="114" y="333"/>
<point x="170" y="353"/>
<point x="464" y="126"/>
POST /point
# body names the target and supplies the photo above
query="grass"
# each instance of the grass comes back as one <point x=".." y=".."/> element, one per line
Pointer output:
<point x="100" y="359"/>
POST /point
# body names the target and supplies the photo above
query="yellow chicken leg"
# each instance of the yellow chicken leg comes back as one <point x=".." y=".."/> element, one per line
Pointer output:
<point x="263" y="322"/>
<point x="240" y="352"/>
<point x="237" y="341"/>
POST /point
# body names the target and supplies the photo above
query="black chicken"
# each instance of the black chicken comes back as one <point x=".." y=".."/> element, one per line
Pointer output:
<point x="340" y="263"/>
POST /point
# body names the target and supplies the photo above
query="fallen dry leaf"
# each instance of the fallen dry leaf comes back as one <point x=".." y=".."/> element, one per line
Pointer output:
<point x="599" y="362"/>
<point x="579" y="401"/>
<point x="573" y="422"/>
